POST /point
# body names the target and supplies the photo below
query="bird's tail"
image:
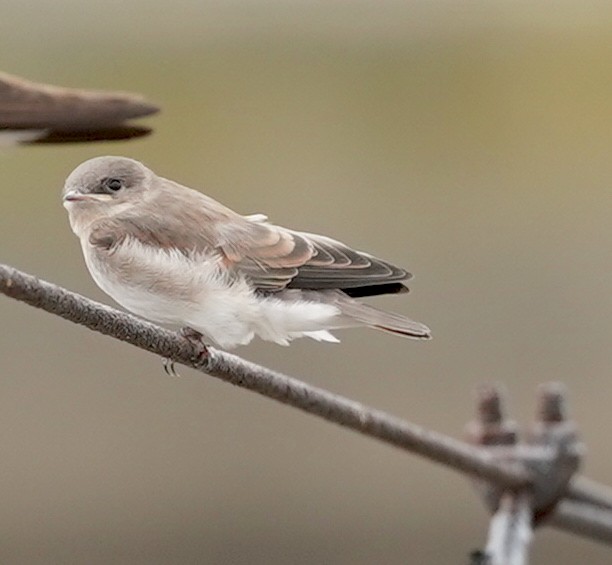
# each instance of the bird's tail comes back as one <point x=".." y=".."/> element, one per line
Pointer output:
<point x="366" y="315"/>
<point x="8" y="138"/>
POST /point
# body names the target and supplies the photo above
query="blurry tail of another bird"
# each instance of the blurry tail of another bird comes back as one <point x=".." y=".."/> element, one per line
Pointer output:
<point x="9" y="138"/>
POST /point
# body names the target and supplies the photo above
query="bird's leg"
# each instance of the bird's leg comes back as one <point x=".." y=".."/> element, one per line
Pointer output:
<point x="197" y="340"/>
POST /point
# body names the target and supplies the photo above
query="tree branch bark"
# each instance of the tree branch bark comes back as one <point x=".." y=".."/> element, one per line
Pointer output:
<point x="242" y="373"/>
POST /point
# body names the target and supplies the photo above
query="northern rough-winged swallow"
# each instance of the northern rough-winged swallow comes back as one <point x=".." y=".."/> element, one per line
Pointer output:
<point x="40" y="113"/>
<point x="175" y="256"/>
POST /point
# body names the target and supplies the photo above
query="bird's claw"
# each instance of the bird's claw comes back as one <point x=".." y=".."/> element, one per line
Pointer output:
<point x="199" y="359"/>
<point x="169" y="368"/>
<point x="197" y="340"/>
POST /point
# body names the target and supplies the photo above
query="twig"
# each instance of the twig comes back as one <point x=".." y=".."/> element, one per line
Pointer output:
<point x="454" y="454"/>
<point x="511" y="532"/>
<point x="237" y="371"/>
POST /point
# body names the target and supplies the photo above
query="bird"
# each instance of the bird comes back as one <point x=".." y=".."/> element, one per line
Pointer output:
<point x="33" y="112"/>
<point x="174" y="256"/>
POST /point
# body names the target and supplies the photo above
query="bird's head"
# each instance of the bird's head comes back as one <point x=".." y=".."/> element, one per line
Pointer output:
<point x="104" y="186"/>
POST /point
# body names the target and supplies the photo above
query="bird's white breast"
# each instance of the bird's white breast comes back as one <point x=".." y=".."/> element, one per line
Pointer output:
<point x="168" y="287"/>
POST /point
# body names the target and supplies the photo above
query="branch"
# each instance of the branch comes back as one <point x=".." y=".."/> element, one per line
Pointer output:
<point x="454" y="454"/>
<point x="266" y="382"/>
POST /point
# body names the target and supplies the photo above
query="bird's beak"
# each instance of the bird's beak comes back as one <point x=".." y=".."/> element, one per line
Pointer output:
<point x="76" y="196"/>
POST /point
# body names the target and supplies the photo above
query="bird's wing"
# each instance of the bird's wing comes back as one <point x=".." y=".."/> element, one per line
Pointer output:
<point x="273" y="258"/>
<point x="270" y="257"/>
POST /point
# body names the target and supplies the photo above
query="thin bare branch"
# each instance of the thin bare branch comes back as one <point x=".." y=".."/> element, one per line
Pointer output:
<point x="454" y="454"/>
<point x="245" y="374"/>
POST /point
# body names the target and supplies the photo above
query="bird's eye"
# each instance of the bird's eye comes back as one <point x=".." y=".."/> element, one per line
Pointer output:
<point x="113" y="184"/>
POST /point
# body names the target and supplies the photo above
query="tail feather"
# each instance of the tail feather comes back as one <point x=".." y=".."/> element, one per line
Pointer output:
<point x="321" y="335"/>
<point x="381" y="320"/>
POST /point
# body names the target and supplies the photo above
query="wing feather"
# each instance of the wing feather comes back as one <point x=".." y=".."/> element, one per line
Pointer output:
<point x="271" y="257"/>
<point x="308" y="261"/>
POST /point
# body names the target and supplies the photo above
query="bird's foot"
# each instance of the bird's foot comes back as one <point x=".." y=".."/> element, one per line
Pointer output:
<point x="199" y="359"/>
<point x="197" y="340"/>
<point x="169" y="368"/>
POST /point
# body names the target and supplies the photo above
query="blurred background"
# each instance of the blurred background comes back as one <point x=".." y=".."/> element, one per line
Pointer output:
<point x="469" y="142"/>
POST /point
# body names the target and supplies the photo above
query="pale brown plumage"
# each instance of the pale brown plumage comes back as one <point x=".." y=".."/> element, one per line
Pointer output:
<point x="273" y="258"/>
<point x="155" y="246"/>
<point x="67" y="114"/>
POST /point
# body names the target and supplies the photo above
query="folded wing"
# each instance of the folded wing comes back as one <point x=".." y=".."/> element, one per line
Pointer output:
<point x="275" y="258"/>
<point x="271" y="257"/>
